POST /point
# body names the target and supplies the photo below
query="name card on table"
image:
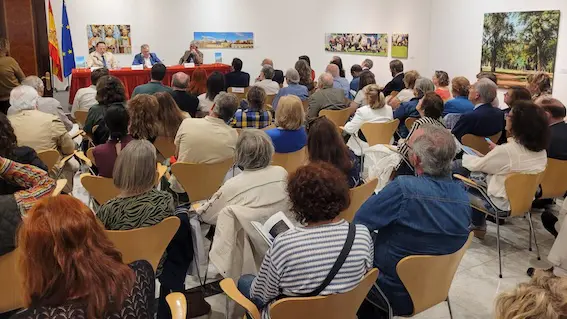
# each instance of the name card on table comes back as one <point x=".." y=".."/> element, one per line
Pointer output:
<point x="189" y="65"/>
<point x="138" y="67"/>
<point x="95" y="68"/>
<point x="237" y="90"/>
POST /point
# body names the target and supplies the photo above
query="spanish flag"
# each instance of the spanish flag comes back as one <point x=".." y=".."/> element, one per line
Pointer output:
<point x="54" y="46"/>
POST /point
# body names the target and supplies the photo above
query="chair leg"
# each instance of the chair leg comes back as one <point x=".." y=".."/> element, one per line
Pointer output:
<point x="530" y="243"/>
<point x="532" y="230"/>
<point x="449" y="306"/>
<point x="498" y="247"/>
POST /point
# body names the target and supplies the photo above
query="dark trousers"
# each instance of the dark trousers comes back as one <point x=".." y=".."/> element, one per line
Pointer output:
<point x="4" y="105"/>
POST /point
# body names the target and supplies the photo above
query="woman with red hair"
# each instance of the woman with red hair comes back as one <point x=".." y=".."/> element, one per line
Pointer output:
<point x="198" y="83"/>
<point x="72" y="270"/>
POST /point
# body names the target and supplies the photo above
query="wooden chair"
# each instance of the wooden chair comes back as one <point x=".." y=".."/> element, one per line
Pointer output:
<point x="90" y="155"/>
<point x="241" y="94"/>
<point x="60" y="184"/>
<point x="147" y="243"/>
<point x="201" y="181"/>
<point x="12" y="292"/>
<point x="358" y="196"/>
<point x="49" y="157"/>
<point x="165" y="146"/>
<point x="409" y="122"/>
<point x="269" y="127"/>
<point x="290" y="161"/>
<point x="100" y="188"/>
<point x="81" y="117"/>
<point x="270" y="99"/>
<point x="478" y="142"/>
<point x="554" y="183"/>
<point x="520" y="189"/>
<point x="54" y="161"/>
<point x="305" y="105"/>
<point x="379" y="133"/>
<point x="337" y="306"/>
<point x="338" y="117"/>
<point x="177" y="304"/>
<point x="428" y="278"/>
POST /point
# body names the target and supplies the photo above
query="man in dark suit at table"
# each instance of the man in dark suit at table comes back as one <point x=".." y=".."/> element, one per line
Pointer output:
<point x="237" y="78"/>
<point x="193" y="55"/>
<point x="186" y="102"/>
<point x="397" y="84"/>
<point x="155" y="85"/>
<point x="145" y="57"/>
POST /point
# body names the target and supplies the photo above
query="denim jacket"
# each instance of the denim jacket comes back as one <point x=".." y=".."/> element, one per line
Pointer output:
<point x="413" y="215"/>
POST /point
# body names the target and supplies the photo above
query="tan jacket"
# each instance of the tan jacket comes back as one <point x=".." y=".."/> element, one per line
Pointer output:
<point x="326" y="99"/>
<point x="41" y="131"/>
<point x="197" y="59"/>
<point x="11" y="75"/>
<point x="95" y="60"/>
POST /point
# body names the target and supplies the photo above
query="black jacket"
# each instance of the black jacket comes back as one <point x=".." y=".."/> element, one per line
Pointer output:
<point x="558" y="141"/>
<point x="237" y="79"/>
<point x="10" y="219"/>
<point x="397" y="84"/>
<point x="186" y="102"/>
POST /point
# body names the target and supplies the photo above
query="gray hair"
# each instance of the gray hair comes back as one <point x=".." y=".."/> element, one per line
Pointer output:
<point x="35" y="82"/>
<point x="180" y="80"/>
<point x="486" y="89"/>
<point x="135" y="168"/>
<point x="226" y="105"/>
<point x="368" y="63"/>
<point x="268" y="71"/>
<point x="22" y="98"/>
<point x="326" y="80"/>
<point x="254" y="149"/>
<point x="423" y="85"/>
<point x="436" y="149"/>
<point x="144" y="46"/>
<point x="292" y="76"/>
<point x="333" y="69"/>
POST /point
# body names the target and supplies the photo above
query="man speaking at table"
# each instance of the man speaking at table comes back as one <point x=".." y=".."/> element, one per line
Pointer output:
<point x="145" y="57"/>
<point x="193" y="55"/>
<point x="100" y="58"/>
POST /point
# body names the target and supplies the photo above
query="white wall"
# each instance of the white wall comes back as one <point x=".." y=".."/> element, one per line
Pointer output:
<point x="456" y="35"/>
<point x="283" y="30"/>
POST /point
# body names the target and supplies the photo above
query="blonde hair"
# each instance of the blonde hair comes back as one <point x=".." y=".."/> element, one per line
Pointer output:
<point x="290" y="113"/>
<point x="544" y="297"/>
<point x="410" y="77"/>
<point x="135" y="168"/>
<point x="375" y="97"/>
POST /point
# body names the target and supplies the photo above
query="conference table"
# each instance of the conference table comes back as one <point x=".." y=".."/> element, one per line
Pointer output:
<point x="81" y="78"/>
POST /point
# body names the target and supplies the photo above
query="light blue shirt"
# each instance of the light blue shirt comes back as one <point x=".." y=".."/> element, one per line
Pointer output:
<point x="342" y="83"/>
<point x="292" y="89"/>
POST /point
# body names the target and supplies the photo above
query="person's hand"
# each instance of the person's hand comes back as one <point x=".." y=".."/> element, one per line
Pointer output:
<point x="394" y="103"/>
<point x="491" y="145"/>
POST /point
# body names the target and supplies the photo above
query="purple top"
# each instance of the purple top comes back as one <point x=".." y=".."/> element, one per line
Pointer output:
<point x="105" y="155"/>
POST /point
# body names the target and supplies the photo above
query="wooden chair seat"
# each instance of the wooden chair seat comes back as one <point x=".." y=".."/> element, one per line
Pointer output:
<point x="554" y="182"/>
<point x="12" y="291"/>
<point x="290" y="161"/>
<point x="165" y="146"/>
<point x="478" y="142"/>
<point x="358" y="196"/>
<point x="338" y="117"/>
<point x="81" y="117"/>
<point x="201" y="181"/>
<point x="409" y="122"/>
<point x="379" y="133"/>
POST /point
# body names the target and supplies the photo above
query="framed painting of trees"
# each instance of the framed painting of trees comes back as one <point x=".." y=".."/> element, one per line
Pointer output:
<point x="515" y="44"/>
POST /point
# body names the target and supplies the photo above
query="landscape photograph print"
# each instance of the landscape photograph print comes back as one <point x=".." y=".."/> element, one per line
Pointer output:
<point x="357" y="43"/>
<point x="515" y="44"/>
<point x="224" y="40"/>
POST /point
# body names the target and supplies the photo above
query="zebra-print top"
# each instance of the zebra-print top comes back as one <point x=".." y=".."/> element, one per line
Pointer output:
<point x="403" y="148"/>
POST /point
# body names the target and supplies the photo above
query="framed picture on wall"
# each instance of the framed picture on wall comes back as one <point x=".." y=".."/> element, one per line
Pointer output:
<point x="116" y="36"/>
<point x="357" y="43"/>
<point x="400" y="46"/>
<point x="224" y="40"/>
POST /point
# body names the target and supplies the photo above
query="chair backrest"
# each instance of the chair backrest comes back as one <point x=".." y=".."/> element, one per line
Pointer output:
<point x="201" y="181"/>
<point x="554" y="182"/>
<point x="379" y="133"/>
<point x="428" y="278"/>
<point x="147" y="243"/>
<point x="60" y="184"/>
<point x="49" y="157"/>
<point x="90" y="155"/>
<point x="240" y="95"/>
<point x="290" y="161"/>
<point x="165" y="146"/>
<point x="270" y="99"/>
<point x="305" y="104"/>
<point x="358" y="196"/>
<point x="337" y="306"/>
<point x="338" y="117"/>
<point x="521" y="189"/>
<point x="11" y="294"/>
<point x="177" y="304"/>
<point x="102" y="189"/>
<point x="409" y="122"/>
<point x="478" y="142"/>
<point x="269" y="127"/>
<point x="81" y="117"/>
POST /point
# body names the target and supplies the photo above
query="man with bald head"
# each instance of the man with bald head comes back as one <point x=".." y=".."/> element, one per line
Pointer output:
<point x="338" y="82"/>
<point x="186" y="102"/>
<point x="326" y="98"/>
<point x="278" y="74"/>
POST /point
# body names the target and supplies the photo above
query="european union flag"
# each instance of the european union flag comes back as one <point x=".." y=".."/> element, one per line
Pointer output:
<point x="67" y="45"/>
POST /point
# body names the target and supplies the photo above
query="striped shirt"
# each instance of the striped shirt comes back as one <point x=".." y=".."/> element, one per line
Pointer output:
<point x="251" y="119"/>
<point x="299" y="260"/>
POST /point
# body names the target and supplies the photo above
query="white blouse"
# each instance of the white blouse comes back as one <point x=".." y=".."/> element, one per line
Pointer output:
<point x="363" y="115"/>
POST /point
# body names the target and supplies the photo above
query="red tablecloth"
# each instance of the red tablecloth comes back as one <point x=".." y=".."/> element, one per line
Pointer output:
<point x="131" y="78"/>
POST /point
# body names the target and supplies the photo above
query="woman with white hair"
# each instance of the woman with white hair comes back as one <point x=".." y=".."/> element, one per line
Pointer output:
<point x="293" y="87"/>
<point x="260" y="185"/>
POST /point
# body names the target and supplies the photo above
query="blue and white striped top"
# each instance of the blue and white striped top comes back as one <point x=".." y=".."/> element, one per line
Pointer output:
<point x="299" y="260"/>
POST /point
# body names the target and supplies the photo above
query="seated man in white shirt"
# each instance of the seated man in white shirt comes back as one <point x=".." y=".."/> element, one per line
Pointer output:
<point x="86" y="97"/>
<point x="45" y="104"/>
<point x="100" y="58"/>
<point x="265" y="80"/>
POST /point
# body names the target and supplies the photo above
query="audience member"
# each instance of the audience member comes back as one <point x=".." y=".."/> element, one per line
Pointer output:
<point x="308" y="60"/>
<point x="539" y="83"/>
<point x="260" y="185"/>
<point x="460" y="103"/>
<point x="47" y="105"/>
<point x="366" y="78"/>
<point x="278" y="74"/>
<point x="155" y="85"/>
<point x="524" y="153"/>
<point x="186" y="102"/>
<point x="70" y="269"/>
<point x="193" y="55"/>
<point x="29" y="184"/>
<point x="543" y="297"/>
<point x="492" y="77"/>
<point x="289" y="135"/>
<point x="288" y="267"/>
<point x="117" y="120"/>
<point x="336" y="60"/>
<point x="236" y="78"/>
<point x="198" y="83"/>
<point x="397" y="83"/>
<point x="109" y="91"/>
<point x="516" y="93"/>
<point x="485" y="120"/>
<point x="293" y="87"/>
<point x="145" y="57"/>
<point x="11" y="75"/>
<point x="376" y="111"/>
<point x="324" y="143"/>
<point x="410" y="218"/>
<point x="215" y="85"/>
<point x="169" y="116"/>
<point x="144" y="122"/>
<point x="85" y="98"/>
<point x="326" y="97"/>
<point x="207" y="140"/>
<point x="441" y="81"/>
<point x="409" y="109"/>
<point x="367" y="64"/>
<point x="355" y="71"/>
<point x="265" y="80"/>
<point x="256" y="115"/>
<point x="406" y="94"/>
<point x="338" y="82"/>
<point x="305" y="73"/>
